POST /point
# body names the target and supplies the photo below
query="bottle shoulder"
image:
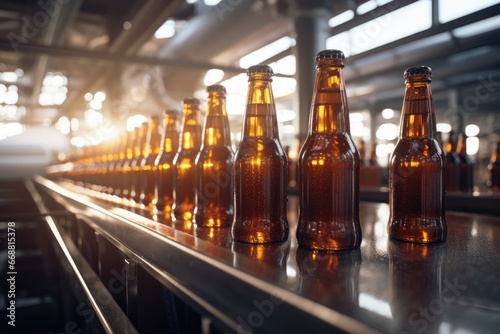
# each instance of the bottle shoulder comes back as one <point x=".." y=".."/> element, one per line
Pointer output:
<point x="418" y="149"/>
<point x="333" y="144"/>
<point x="262" y="146"/>
<point x="215" y="152"/>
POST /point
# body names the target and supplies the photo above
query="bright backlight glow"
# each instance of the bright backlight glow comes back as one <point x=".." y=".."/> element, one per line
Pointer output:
<point x="387" y="113"/>
<point x="135" y="122"/>
<point x="283" y="86"/>
<point x="213" y="76"/>
<point x="387" y="131"/>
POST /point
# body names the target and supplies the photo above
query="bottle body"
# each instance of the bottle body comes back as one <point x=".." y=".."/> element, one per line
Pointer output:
<point x="214" y="164"/>
<point x="416" y="191"/>
<point x="260" y="191"/>
<point x="329" y="194"/>
<point x="185" y="162"/>
<point x="164" y="174"/>
<point x="329" y="165"/>
<point x="260" y="168"/>
<point x="416" y="184"/>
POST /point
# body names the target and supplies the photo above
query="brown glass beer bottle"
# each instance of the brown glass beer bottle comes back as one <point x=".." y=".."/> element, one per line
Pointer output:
<point x="148" y="167"/>
<point x="260" y="167"/>
<point x="135" y="165"/>
<point x="494" y="168"/>
<point x="416" y="185"/>
<point x="466" y="165"/>
<point x="214" y="165"/>
<point x="184" y="161"/>
<point x="452" y="167"/>
<point x="164" y="182"/>
<point x="124" y="171"/>
<point x="329" y="165"/>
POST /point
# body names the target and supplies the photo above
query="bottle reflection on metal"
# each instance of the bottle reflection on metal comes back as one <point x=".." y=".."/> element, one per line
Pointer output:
<point x="417" y="299"/>
<point x="268" y="261"/>
<point x="331" y="279"/>
<point x="217" y="236"/>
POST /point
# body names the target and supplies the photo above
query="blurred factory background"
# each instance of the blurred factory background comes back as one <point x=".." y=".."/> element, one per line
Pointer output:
<point x="76" y="72"/>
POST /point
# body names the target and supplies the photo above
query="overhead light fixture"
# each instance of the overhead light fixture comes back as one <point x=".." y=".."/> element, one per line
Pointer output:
<point x="341" y="18"/>
<point x="166" y="30"/>
<point x="212" y="2"/>
<point x="266" y="52"/>
<point x="366" y="7"/>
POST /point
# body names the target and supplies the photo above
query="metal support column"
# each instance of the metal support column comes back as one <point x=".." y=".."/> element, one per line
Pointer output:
<point x="312" y="31"/>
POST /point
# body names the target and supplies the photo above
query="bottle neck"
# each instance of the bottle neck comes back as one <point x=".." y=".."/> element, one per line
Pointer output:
<point x="462" y="145"/>
<point x="170" y="136"/>
<point x="418" y="119"/>
<point x="191" y="130"/>
<point x="329" y="110"/>
<point x="260" y="115"/>
<point x="495" y="157"/>
<point x="450" y="145"/>
<point x="216" y="129"/>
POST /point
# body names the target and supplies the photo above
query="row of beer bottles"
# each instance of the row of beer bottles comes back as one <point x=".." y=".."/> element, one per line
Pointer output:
<point x="202" y="172"/>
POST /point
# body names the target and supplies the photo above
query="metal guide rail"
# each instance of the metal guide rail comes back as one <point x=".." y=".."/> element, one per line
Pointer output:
<point x="385" y="286"/>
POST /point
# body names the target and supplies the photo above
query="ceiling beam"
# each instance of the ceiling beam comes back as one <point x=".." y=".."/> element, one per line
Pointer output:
<point x="62" y="17"/>
<point x="87" y="56"/>
<point x="143" y="25"/>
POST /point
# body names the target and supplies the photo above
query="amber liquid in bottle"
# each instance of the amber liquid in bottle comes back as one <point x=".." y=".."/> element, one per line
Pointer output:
<point x="329" y="165"/>
<point x="260" y="168"/>
<point x="416" y="190"/>
<point x="184" y="161"/>
<point x="164" y="181"/>
<point x="214" y="163"/>
<point x="148" y="167"/>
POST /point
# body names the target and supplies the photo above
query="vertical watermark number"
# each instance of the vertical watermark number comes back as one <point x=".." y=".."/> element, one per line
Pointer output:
<point x="11" y="274"/>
